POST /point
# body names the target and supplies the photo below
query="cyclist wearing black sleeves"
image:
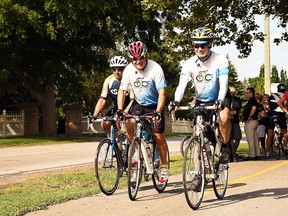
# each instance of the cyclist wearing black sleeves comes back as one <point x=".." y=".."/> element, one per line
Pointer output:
<point x="110" y="89"/>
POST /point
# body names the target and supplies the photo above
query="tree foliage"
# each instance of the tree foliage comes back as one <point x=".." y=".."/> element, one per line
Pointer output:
<point x="60" y="48"/>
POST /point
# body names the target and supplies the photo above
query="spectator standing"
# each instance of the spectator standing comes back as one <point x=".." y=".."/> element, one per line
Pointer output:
<point x="250" y="115"/>
<point x="236" y="134"/>
<point x="262" y="119"/>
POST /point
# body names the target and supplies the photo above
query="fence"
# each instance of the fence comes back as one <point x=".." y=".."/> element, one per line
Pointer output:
<point x="11" y="124"/>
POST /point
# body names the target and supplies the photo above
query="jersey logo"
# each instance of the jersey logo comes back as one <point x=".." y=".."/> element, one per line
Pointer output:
<point x="203" y="77"/>
<point x="113" y="91"/>
<point x="141" y="83"/>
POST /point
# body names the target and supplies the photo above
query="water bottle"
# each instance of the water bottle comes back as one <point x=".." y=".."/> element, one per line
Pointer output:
<point x="207" y="155"/>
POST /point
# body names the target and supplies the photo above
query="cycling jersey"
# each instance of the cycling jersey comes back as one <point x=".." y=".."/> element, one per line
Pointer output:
<point x="110" y="88"/>
<point x="273" y="99"/>
<point x="145" y="83"/>
<point x="210" y="78"/>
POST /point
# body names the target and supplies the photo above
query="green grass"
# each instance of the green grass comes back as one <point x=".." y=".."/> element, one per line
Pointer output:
<point x="40" y="140"/>
<point x="36" y="194"/>
<point x="59" y="139"/>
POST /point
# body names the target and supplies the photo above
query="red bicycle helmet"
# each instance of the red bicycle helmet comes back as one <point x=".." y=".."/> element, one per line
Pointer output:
<point x="136" y="50"/>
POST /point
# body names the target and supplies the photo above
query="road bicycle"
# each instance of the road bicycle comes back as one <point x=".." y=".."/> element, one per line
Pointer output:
<point x="143" y="158"/>
<point x="201" y="160"/>
<point x="111" y="156"/>
<point x="277" y="144"/>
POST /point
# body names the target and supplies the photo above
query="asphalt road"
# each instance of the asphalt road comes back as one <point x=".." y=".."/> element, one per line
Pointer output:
<point x="15" y="160"/>
<point x="255" y="187"/>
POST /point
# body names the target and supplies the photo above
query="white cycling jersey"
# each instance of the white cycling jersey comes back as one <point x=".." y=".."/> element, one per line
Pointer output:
<point x="210" y="78"/>
<point x="145" y="83"/>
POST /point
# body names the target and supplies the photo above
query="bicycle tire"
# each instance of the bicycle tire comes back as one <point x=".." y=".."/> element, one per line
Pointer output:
<point x="106" y="167"/>
<point x="220" y="182"/>
<point x="160" y="187"/>
<point x="192" y="166"/>
<point x="134" y="174"/>
<point x="184" y="143"/>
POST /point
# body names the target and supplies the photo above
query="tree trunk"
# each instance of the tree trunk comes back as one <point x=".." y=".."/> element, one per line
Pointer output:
<point x="48" y="107"/>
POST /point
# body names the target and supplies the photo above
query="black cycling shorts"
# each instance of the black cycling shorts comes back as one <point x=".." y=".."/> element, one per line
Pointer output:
<point x="137" y="109"/>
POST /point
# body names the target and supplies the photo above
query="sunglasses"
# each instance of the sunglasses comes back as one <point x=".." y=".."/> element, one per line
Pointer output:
<point x="139" y="59"/>
<point x="197" y="46"/>
<point x="117" y="69"/>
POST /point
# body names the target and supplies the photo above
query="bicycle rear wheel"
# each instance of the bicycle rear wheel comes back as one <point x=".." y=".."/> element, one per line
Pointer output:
<point x="193" y="170"/>
<point x="184" y="143"/>
<point x="106" y="167"/>
<point x="134" y="168"/>
<point x="159" y="186"/>
<point x="220" y="182"/>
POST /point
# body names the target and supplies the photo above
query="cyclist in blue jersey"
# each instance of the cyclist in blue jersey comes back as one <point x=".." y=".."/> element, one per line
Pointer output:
<point x="209" y="72"/>
<point x="147" y="80"/>
<point x="110" y="89"/>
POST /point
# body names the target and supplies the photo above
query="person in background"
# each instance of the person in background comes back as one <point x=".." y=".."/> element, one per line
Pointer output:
<point x="250" y="116"/>
<point x="236" y="134"/>
<point x="282" y="103"/>
<point x="275" y="110"/>
<point x="110" y="89"/>
<point x="262" y="119"/>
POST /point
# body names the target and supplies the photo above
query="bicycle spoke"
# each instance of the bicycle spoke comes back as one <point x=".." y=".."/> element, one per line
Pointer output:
<point x="106" y="167"/>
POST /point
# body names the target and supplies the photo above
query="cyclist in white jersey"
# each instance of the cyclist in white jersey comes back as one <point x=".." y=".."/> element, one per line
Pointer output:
<point x="209" y="72"/>
<point x="147" y="80"/>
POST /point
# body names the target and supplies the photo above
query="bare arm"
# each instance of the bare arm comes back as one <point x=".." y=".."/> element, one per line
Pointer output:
<point x="99" y="106"/>
<point x="281" y="104"/>
<point x="161" y="99"/>
<point x="121" y="98"/>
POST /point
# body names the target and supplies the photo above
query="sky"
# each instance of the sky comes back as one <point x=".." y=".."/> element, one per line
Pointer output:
<point x="249" y="67"/>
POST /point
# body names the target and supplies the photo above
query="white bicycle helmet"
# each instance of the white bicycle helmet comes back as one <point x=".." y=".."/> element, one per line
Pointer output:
<point x="118" y="61"/>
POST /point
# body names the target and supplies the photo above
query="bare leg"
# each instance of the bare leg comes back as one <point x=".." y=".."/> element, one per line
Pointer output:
<point x="225" y="125"/>
<point x="106" y="127"/>
<point x="269" y="141"/>
<point x="162" y="147"/>
<point x="130" y="126"/>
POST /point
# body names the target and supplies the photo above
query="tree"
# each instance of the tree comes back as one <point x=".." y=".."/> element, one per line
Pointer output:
<point x="274" y="75"/>
<point x="283" y="77"/>
<point x="49" y="45"/>
<point x="232" y="21"/>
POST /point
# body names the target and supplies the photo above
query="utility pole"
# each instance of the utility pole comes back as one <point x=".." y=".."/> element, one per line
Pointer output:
<point x="267" y="80"/>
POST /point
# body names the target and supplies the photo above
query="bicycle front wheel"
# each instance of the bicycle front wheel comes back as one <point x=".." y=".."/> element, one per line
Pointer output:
<point x="193" y="174"/>
<point x="220" y="182"/>
<point x="134" y="168"/>
<point x="106" y="167"/>
<point x="184" y="143"/>
<point x="159" y="186"/>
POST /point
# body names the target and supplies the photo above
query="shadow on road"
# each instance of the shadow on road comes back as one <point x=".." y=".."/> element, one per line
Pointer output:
<point x="276" y="193"/>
